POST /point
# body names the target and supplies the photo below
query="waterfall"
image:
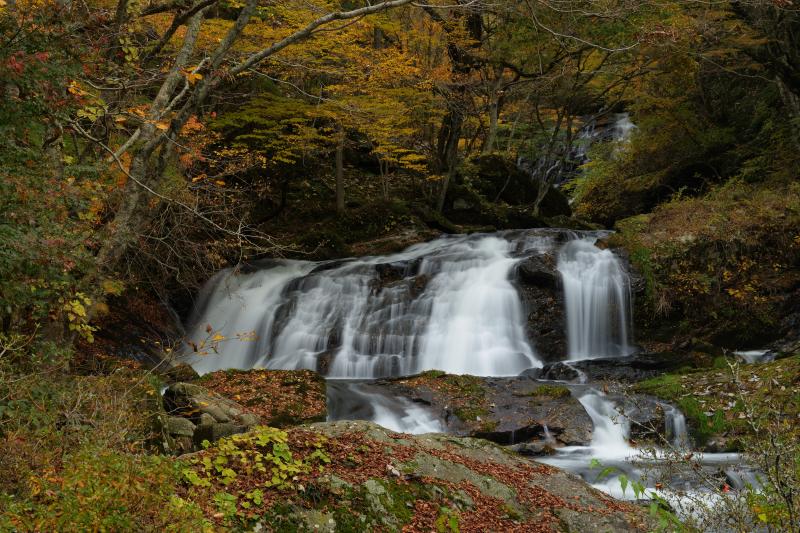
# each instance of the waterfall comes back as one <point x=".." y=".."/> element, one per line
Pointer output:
<point x="448" y="304"/>
<point x="597" y="298"/>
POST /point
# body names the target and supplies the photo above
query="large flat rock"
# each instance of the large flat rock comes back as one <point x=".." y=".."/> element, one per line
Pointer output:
<point x="358" y="476"/>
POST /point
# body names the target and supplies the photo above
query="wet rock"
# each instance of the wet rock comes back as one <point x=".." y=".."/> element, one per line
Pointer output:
<point x="646" y="416"/>
<point x="539" y="270"/>
<point x="534" y="449"/>
<point x="632" y="368"/>
<point x="503" y="410"/>
<point x="545" y="320"/>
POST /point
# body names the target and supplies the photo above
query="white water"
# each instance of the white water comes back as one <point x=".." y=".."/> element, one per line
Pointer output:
<point x="685" y="481"/>
<point x="676" y="430"/>
<point x="349" y="400"/>
<point x="450" y="306"/>
<point x="755" y="356"/>
<point x="597" y="297"/>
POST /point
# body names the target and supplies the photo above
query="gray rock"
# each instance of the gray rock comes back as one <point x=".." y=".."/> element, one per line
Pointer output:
<point x="543" y="491"/>
<point x="215" y="432"/>
<point x="179" y="426"/>
<point x="539" y="270"/>
<point x="193" y="401"/>
<point x="512" y="410"/>
<point x="249" y="419"/>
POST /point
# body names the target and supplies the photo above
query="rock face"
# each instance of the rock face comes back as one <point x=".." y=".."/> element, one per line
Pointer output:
<point x="539" y="285"/>
<point x="377" y="480"/>
<point x="503" y="410"/>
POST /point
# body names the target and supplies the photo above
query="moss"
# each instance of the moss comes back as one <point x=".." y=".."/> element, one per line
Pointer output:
<point x="553" y="391"/>
<point x="718" y="401"/>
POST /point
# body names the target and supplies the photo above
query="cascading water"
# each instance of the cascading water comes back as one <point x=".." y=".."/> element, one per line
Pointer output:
<point x="351" y="400"/>
<point x="676" y="431"/>
<point x="448" y="304"/>
<point x="598" y="298"/>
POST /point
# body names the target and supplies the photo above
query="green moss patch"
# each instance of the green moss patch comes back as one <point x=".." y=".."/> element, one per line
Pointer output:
<point x="726" y="402"/>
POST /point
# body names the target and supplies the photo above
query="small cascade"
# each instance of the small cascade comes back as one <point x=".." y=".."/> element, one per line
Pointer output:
<point x="676" y="431"/>
<point x="351" y="400"/>
<point x="622" y="127"/>
<point x="611" y="428"/>
<point x="755" y="356"/>
<point x="598" y="301"/>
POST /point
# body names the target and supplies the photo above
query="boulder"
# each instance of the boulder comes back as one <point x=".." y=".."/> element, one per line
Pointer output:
<point x="545" y="318"/>
<point x="198" y="414"/>
<point x="539" y="285"/>
<point x="503" y="410"/>
<point x="378" y="480"/>
<point x="539" y="270"/>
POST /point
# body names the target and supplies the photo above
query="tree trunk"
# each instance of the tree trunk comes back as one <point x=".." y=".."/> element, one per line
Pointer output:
<point x="449" y="136"/>
<point x="494" y="112"/>
<point x="340" y="175"/>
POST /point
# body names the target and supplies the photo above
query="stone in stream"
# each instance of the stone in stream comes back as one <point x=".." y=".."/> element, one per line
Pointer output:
<point x="503" y="410"/>
<point x="539" y="286"/>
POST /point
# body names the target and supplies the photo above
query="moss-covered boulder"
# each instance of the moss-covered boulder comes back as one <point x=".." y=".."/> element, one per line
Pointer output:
<point x="229" y="402"/>
<point x="356" y="476"/>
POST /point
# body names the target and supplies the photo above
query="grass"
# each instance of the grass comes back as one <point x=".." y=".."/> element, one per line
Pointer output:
<point x="552" y="391"/>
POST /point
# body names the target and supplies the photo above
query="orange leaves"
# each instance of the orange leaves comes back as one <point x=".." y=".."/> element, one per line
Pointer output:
<point x="191" y="75"/>
<point x="192" y="126"/>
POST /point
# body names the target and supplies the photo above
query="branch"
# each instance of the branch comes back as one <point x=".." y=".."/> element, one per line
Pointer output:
<point x="309" y="29"/>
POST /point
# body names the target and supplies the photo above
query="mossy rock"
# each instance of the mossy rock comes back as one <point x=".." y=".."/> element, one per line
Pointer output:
<point x="357" y="476"/>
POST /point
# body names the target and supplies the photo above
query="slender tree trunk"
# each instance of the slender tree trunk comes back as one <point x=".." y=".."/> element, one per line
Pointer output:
<point x="340" y="174"/>
<point x="451" y="134"/>
<point x="494" y="112"/>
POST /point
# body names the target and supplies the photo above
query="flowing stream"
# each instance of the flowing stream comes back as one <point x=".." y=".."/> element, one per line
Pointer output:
<point x="675" y="473"/>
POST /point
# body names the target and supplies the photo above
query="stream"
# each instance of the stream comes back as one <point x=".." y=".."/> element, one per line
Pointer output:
<point x="454" y="304"/>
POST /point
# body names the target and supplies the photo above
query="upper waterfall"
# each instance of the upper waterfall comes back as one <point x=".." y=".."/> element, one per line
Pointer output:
<point x="598" y="298"/>
<point x="448" y="304"/>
